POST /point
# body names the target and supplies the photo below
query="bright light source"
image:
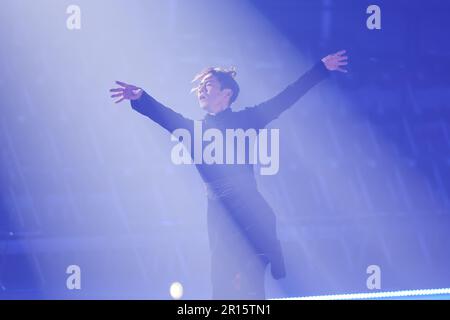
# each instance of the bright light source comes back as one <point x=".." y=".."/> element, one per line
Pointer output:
<point x="176" y="290"/>
<point x="376" y="295"/>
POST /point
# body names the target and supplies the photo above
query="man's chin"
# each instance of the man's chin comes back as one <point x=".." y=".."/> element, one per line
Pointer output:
<point x="204" y="106"/>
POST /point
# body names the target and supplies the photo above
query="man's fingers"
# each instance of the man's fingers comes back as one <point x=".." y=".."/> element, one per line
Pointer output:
<point x="339" y="58"/>
<point x="126" y="85"/>
<point x="117" y="95"/>
<point x="116" y="90"/>
<point x="340" y="52"/>
<point x="122" y="84"/>
<point x="342" y="63"/>
<point x="120" y="100"/>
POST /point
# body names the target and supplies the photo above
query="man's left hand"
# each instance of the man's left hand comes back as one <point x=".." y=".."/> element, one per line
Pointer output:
<point x="334" y="62"/>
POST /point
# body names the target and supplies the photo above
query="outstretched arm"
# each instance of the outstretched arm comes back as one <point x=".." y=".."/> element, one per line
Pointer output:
<point x="271" y="109"/>
<point x="148" y="106"/>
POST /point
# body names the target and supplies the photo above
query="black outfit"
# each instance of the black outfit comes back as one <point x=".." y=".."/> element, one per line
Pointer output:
<point x="241" y="225"/>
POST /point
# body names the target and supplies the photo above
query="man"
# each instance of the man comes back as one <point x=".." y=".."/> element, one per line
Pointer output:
<point x="241" y="225"/>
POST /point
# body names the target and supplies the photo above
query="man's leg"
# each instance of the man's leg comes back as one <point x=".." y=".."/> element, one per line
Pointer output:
<point x="238" y="231"/>
<point x="253" y="278"/>
<point x="224" y="277"/>
<point x="237" y="276"/>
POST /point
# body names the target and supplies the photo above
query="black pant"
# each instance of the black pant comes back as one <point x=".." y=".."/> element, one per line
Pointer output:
<point x="242" y="235"/>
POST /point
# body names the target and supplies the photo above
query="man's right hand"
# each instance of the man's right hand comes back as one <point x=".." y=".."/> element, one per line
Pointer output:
<point x="126" y="92"/>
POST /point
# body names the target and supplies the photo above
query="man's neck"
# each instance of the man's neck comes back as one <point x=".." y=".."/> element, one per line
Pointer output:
<point x="214" y="113"/>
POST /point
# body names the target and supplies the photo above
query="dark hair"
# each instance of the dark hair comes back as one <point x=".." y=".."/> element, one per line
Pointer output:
<point x="225" y="78"/>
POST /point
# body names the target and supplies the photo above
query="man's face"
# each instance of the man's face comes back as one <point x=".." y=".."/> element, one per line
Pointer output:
<point x="210" y="95"/>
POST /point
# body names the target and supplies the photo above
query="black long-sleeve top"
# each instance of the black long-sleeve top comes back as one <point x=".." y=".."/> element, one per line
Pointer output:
<point x="256" y="117"/>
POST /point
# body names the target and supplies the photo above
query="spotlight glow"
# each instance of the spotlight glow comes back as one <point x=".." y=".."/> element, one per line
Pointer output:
<point x="176" y="290"/>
